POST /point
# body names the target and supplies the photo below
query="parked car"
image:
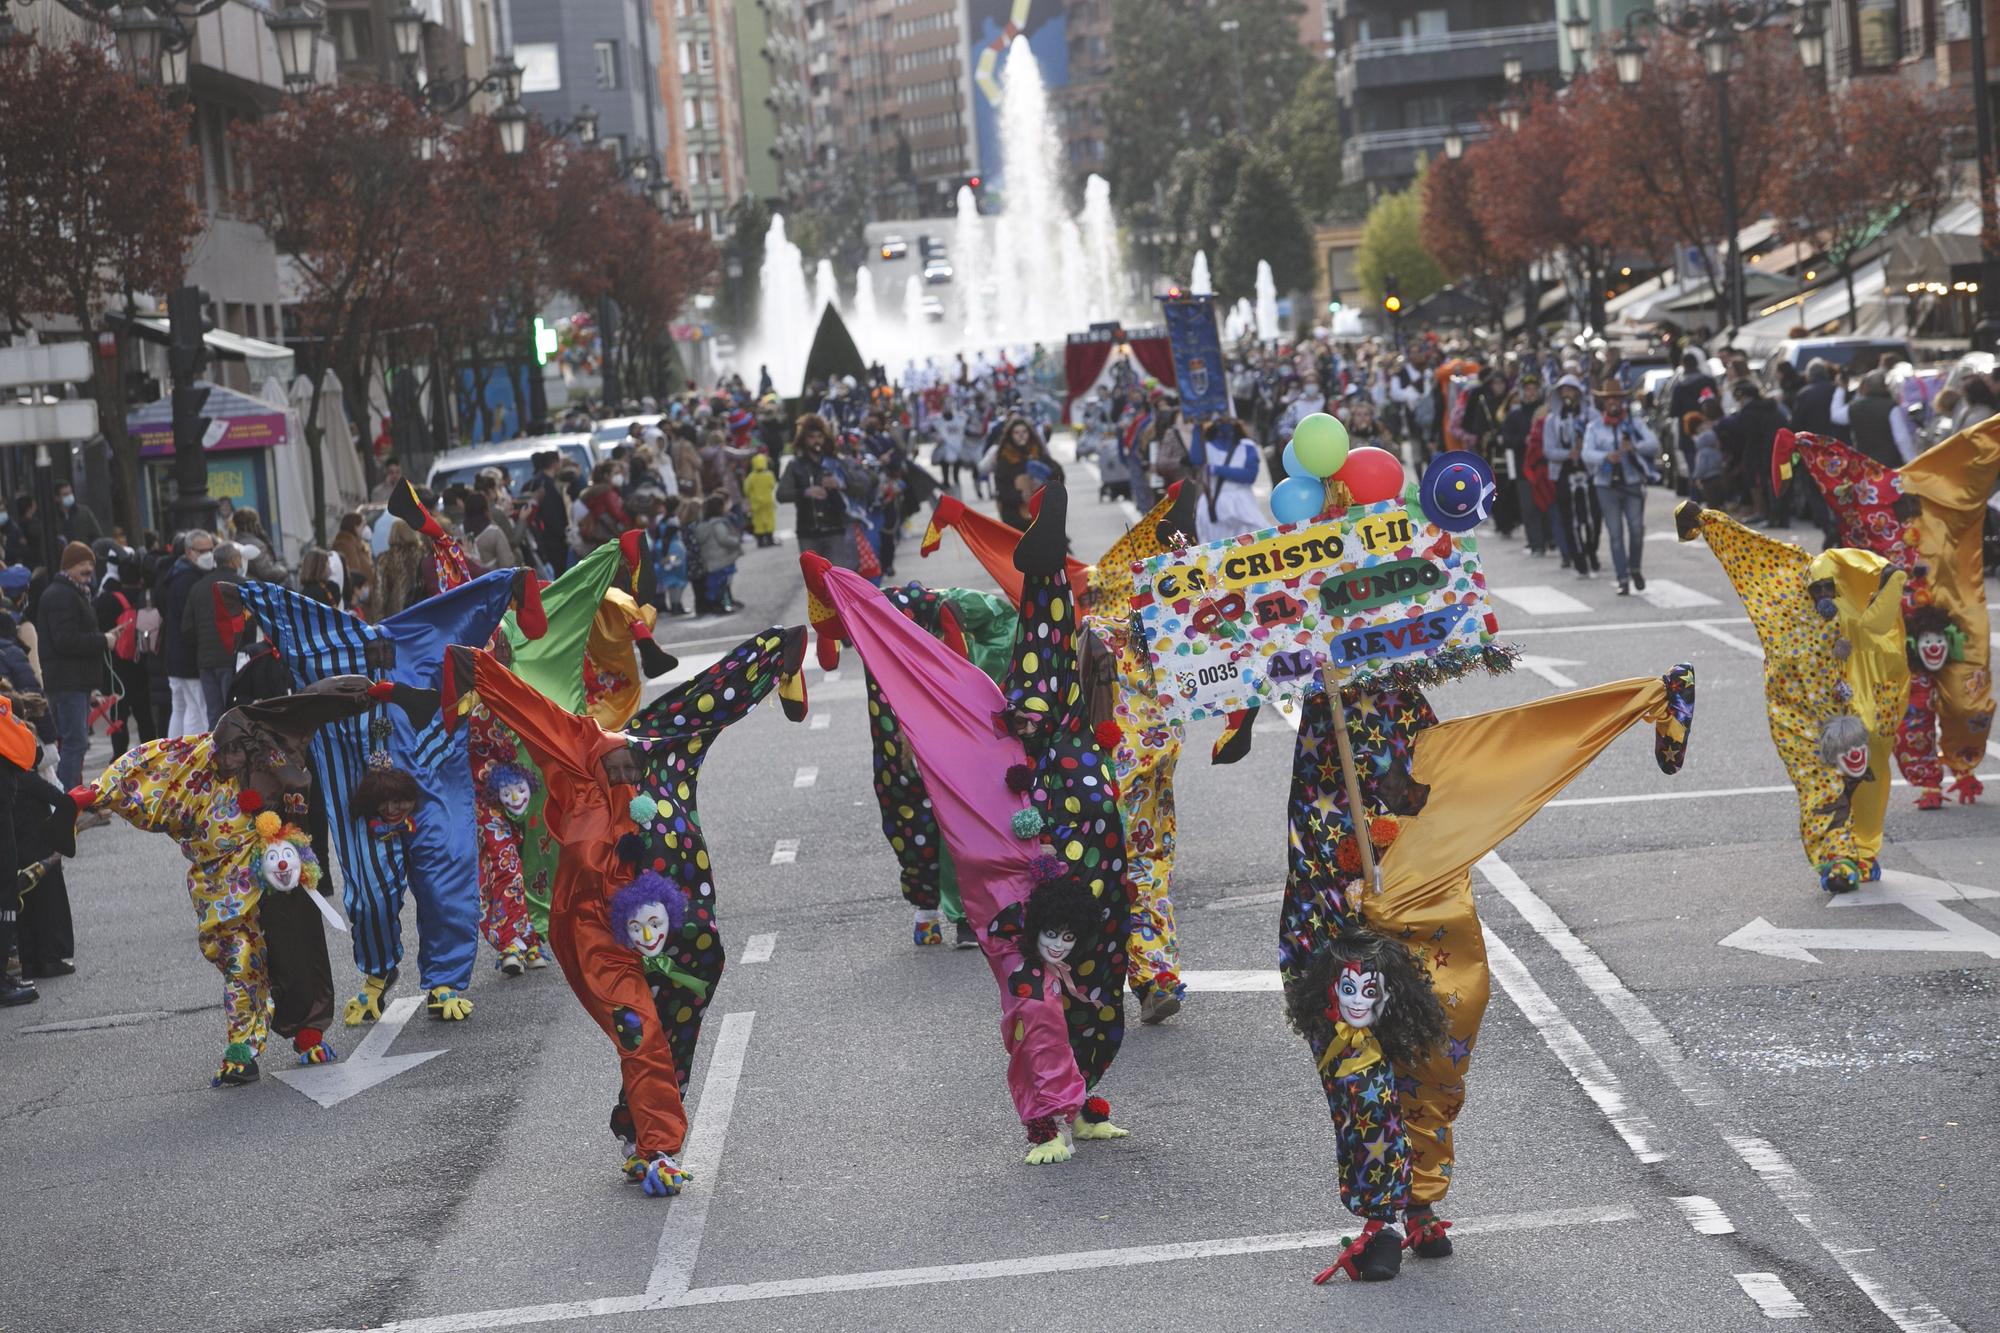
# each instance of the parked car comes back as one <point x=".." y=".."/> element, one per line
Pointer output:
<point x="459" y="467"/>
<point x="937" y="272"/>
<point x="1851" y="356"/>
<point x="894" y="247"/>
<point x="614" y="430"/>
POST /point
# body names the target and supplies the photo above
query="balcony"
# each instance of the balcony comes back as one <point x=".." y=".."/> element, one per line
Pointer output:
<point x="1448" y="57"/>
<point x="1391" y="155"/>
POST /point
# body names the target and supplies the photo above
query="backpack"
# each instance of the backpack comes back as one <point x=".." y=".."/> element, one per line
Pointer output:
<point x="126" y="645"/>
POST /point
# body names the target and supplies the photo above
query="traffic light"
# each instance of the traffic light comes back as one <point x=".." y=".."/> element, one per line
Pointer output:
<point x="186" y="356"/>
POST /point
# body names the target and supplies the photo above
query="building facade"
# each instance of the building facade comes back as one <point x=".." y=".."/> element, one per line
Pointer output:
<point x="893" y="83"/>
<point x="1407" y="71"/>
<point x="1080" y="104"/>
<point x="774" y="94"/>
<point x="700" y="88"/>
<point x="601" y="54"/>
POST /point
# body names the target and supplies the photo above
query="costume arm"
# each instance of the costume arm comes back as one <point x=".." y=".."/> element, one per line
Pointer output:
<point x="726" y="692"/>
<point x="554" y="737"/>
<point x="161" y="786"/>
<point x="314" y="639"/>
<point x="553" y="663"/>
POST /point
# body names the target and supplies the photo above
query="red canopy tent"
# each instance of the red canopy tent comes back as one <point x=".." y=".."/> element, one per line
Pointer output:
<point x="1085" y="356"/>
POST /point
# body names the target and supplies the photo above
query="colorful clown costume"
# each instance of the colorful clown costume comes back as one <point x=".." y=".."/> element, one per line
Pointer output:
<point x="1809" y="689"/>
<point x="1026" y="804"/>
<point x="435" y="854"/>
<point x="1439" y="796"/>
<point x="609" y="826"/>
<point x="1926" y="518"/>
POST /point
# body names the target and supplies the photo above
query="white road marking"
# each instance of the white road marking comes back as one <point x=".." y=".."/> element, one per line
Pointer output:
<point x="1705" y="1215"/>
<point x="369" y="1063"/>
<point x="1720" y="635"/>
<point x="1545" y="667"/>
<point x="1539" y="599"/>
<point x="1245" y="900"/>
<point x="1773" y="1297"/>
<point x="1840" y="1238"/>
<point x="689" y="666"/>
<point x="758" y="948"/>
<point x="818" y="722"/>
<point x="1071" y="1261"/>
<point x="1257" y="979"/>
<point x="786" y="852"/>
<point x="830" y="677"/>
<point x="687" y="1214"/>
<point x="1573" y="1049"/>
<point x="1621" y="626"/>
<point x="805" y="777"/>
<point x="1671" y="596"/>
<point x="1704" y="793"/>
<point x="1919" y="893"/>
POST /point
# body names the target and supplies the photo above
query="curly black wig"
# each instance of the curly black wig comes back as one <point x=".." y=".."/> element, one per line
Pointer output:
<point x="1064" y="903"/>
<point x="1925" y="620"/>
<point x="379" y="786"/>
<point x="1412" y="1022"/>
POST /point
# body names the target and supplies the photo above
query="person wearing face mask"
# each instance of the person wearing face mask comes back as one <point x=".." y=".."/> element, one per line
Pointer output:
<point x="73" y="657"/>
<point x="74" y="520"/>
<point x="604" y="518"/>
<point x="214" y="655"/>
<point x="189" y="713"/>
<point x="1620" y="450"/>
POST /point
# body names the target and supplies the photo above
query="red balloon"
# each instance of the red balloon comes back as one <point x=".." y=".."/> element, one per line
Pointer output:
<point x="1371" y="474"/>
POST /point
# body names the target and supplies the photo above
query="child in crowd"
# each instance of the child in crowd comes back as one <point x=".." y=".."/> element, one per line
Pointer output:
<point x="670" y="558"/>
<point x="760" y="488"/>
<point x="721" y="541"/>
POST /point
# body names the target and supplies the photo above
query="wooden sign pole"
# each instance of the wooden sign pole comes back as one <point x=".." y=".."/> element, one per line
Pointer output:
<point x="1357" y="807"/>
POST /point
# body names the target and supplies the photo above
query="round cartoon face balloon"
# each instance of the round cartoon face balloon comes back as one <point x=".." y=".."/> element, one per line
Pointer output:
<point x="1458" y="490"/>
<point x="1933" y="650"/>
<point x="648" y="928"/>
<point x="1055" y="945"/>
<point x="1359" y="995"/>
<point x="514" y="794"/>
<point x="282" y="867"/>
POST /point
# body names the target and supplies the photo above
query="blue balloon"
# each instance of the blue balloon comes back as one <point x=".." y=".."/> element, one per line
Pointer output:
<point x="1298" y="499"/>
<point x="1293" y="467"/>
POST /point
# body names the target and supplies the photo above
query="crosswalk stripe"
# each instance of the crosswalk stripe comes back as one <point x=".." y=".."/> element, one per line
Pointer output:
<point x="1539" y="599"/>
<point x="1670" y="596"/>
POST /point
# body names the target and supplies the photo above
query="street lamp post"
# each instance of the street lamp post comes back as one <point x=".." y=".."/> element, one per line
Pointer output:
<point x="1714" y="26"/>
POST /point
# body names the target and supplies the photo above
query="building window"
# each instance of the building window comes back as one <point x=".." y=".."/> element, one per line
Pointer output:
<point x="614" y="144"/>
<point x="541" y="67"/>
<point x="687" y="57"/>
<point x="353" y="35"/>
<point x="691" y="113"/>
<point x="606" y="56"/>
<point x="704" y="55"/>
<point x="1877" y="33"/>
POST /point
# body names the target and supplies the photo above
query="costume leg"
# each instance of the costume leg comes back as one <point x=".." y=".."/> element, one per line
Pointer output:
<point x="301" y="975"/>
<point x="907" y="819"/>
<point x="698" y="709"/>
<point x="682" y="996"/>
<point x="1917" y="743"/>
<point x="504" y="908"/>
<point x="611" y="985"/>
<point x="443" y="862"/>
<point x="1146" y="802"/>
<point x="1373" y="1142"/>
<point x="948" y="900"/>
<point x="237" y="950"/>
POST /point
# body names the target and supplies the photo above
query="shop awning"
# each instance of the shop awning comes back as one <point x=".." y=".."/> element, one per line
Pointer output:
<point x="247" y="423"/>
<point x="266" y="360"/>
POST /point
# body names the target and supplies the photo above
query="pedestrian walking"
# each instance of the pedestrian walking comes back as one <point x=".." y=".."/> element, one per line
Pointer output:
<point x="73" y="652"/>
<point x="1621" y="452"/>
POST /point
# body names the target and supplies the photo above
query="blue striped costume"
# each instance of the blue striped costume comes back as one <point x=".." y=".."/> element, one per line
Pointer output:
<point x="439" y="859"/>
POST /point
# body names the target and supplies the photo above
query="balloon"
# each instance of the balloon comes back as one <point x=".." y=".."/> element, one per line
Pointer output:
<point x="1321" y="442"/>
<point x="1298" y="499"/>
<point x="1371" y="474"/>
<point x="1458" y="491"/>
<point x="1293" y="467"/>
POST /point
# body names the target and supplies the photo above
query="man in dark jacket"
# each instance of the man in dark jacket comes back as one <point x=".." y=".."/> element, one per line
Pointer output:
<point x="549" y="521"/>
<point x="1746" y="435"/>
<point x="189" y="716"/>
<point x="1812" y="409"/>
<point x="214" y="658"/>
<point x="815" y="485"/>
<point x="72" y="649"/>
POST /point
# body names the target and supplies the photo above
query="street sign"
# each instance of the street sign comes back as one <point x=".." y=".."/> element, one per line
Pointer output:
<point x="371" y="1063"/>
<point x="1919" y="893"/>
<point x="50" y="363"/>
<point x="48" y="423"/>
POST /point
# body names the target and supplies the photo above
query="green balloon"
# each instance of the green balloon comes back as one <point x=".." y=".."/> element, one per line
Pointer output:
<point x="1321" y="443"/>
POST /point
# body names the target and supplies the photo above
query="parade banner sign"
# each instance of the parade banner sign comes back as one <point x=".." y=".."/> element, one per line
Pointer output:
<point x="1380" y="595"/>
<point x="1198" y="363"/>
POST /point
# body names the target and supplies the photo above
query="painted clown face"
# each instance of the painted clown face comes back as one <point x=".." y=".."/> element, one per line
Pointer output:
<point x="282" y="868"/>
<point x="1933" y="650"/>
<point x="1853" y="761"/>
<point x="513" y="794"/>
<point x="1360" y="997"/>
<point x="647" y="929"/>
<point x="1055" y="945"/>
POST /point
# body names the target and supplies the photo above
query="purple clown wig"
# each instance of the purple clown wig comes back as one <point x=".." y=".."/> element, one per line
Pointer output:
<point x="650" y="887"/>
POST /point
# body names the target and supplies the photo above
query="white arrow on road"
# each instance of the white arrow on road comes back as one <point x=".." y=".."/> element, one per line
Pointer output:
<point x="370" y="1064"/>
<point x="1545" y="667"/>
<point x="1919" y="893"/>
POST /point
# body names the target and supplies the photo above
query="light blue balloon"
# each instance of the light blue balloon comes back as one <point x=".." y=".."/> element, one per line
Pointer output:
<point x="1298" y="499"/>
<point x="1293" y="467"/>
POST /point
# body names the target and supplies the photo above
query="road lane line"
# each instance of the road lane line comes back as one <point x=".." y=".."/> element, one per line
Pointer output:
<point x="1619" y="626"/>
<point x="786" y="852"/>
<point x="1705" y="1215"/>
<point x="1846" y="1243"/>
<point x="805" y="777"/>
<point x="1702" y="793"/>
<point x="1668" y="595"/>
<point x="1248" y="980"/>
<point x="818" y="722"/>
<point x="687" y="1214"/>
<point x="1773" y="1297"/>
<point x="1076" y="1261"/>
<point x="1573" y="1049"/>
<point x="1721" y="635"/>
<point x="1538" y="599"/>
<point x="1245" y="900"/>
<point x="758" y="949"/>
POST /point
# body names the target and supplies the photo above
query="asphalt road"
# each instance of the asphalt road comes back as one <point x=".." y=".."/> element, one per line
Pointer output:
<point x="1661" y="1132"/>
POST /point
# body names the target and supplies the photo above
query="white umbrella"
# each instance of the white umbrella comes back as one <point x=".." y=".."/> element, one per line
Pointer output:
<point x="290" y="519"/>
<point x="341" y="466"/>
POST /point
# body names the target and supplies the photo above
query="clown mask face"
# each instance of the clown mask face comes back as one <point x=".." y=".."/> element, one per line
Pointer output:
<point x="1853" y="761"/>
<point x="394" y="812"/>
<point x="1933" y="650"/>
<point x="514" y="794"/>
<point x="648" y="928"/>
<point x="1055" y="945"/>
<point x="1359" y="996"/>
<point x="282" y="868"/>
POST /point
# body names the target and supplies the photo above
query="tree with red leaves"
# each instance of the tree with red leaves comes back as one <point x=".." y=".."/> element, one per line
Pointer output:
<point x="1876" y="154"/>
<point x="101" y="205"/>
<point x="1456" y="234"/>
<point x="338" y="181"/>
<point x="1653" y="151"/>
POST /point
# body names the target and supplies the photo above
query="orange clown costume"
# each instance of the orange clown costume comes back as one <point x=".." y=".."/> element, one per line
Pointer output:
<point x="1835" y="680"/>
<point x="1926" y="518"/>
